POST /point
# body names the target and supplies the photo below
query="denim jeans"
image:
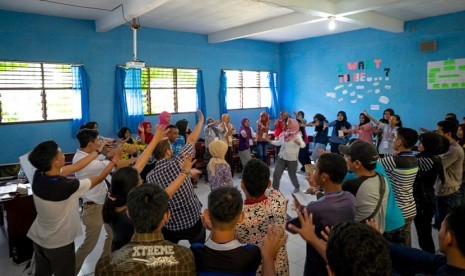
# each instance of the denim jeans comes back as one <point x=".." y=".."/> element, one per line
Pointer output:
<point x="443" y="203"/>
<point x="262" y="149"/>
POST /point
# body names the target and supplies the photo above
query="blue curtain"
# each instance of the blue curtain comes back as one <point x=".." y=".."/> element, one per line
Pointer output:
<point x="80" y="97"/>
<point x="273" y="110"/>
<point x="200" y="95"/>
<point x="129" y="111"/>
<point x="223" y="93"/>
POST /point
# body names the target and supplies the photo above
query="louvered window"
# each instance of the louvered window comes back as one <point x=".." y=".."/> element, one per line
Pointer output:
<point x="35" y="91"/>
<point x="169" y="89"/>
<point x="247" y="89"/>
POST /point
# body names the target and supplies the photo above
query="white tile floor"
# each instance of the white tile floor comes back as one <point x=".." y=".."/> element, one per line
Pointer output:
<point x="295" y="244"/>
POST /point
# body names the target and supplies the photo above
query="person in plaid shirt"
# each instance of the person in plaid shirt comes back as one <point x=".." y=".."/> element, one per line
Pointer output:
<point x="148" y="253"/>
<point x="185" y="206"/>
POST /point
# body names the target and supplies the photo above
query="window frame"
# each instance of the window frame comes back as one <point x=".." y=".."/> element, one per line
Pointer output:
<point x="176" y="88"/>
<point x="241" y="88"/>
<point x="43" y="88"/>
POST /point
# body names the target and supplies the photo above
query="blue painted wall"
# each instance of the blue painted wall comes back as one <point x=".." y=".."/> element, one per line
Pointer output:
<point x="31" y="37"/>
<point x="309" y="71"/>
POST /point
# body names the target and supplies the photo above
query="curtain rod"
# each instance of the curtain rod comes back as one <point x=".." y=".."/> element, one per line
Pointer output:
<point x="192" y="68"/>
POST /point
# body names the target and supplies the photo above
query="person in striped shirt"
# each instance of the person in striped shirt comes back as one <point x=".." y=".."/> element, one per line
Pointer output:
<point x="401" y="169"/>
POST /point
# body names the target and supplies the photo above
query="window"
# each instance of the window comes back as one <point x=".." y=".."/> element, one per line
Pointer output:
<point x="35" y="91"/>
<point x="169" y="89"/>
<point x="247" y="89"/>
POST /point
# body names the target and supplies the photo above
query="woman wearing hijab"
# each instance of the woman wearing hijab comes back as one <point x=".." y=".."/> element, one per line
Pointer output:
<point x="338" y="137"/>
<point x="263" y="127"/>
<point x="291" y="142"/>
<point x="144" y="133"/>
<point x="430" y="168"/>
<point x="246" y="137"/>
<point x="165" y="118"/>
<point x="219" y="171"/>
<point x="226" y="131"/>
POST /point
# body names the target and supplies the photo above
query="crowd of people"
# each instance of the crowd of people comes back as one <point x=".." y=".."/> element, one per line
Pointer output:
<point x="372" y="183"/>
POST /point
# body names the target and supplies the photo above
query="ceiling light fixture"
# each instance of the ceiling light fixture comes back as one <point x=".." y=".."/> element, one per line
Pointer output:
<point x="332" y="23"/>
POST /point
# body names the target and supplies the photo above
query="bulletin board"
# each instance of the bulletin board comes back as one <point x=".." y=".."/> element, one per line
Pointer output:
<point x="446" y="74"/>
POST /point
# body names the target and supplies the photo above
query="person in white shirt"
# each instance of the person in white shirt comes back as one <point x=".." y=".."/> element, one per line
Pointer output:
<point x="95" y="198"/>
<point x="56" y="200"/>
<point x="291" y="142"/>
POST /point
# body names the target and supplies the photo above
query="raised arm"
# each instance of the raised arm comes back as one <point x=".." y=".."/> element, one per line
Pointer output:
<point x="99" y="178"/>
<point x="371" y="118"/>
<point x="192" y="139"/>
<point x="160" y="132"/>
<point x="79" y="165"/>
<point x="185" y="169"/>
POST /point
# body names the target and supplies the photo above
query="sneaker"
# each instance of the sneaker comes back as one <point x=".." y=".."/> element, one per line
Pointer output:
<point x="296" y="191"/>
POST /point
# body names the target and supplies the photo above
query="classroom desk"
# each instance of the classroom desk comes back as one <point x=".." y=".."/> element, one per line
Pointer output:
<point x="20" y="214"/>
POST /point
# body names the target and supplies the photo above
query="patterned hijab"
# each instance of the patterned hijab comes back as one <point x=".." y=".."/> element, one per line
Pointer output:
<point x="217" y="150"/>
<point x="292" y="130"/>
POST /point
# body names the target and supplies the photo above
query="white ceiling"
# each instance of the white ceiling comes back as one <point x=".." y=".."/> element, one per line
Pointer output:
<point x="223" y="20"/>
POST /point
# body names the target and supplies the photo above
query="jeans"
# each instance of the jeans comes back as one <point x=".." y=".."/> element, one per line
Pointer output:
<point x="279" y="168"/>
<point x="443" y="203"/>
<point x="316" y="150"/>
<point x="262" y="150"/>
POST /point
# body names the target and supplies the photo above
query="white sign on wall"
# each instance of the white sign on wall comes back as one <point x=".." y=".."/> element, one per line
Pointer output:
<point x="446" y="74"/>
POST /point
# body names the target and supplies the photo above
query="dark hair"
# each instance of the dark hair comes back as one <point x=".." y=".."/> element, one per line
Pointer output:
<point x="85" y="136"/>
<point x="390" y="110"/>
<point x="122" y="132"/>
<point x="320" y="117"/>
<point x="399" y="121"/>
<point x="171" y="126"/>
<point x="451" y="117"/>
<point x="357" y="249"/>
<point x="89" y="125"/>
<point x="301" y="112"/>
<point x="256" y="177"/>
<point x="146" y="206"/>
<point x="455" y="222"/>
<point x="43" y="154"/>
<point x="182" y="127"/>
<point x="224" y="204"/>
<point x="433" y="143"/>
<point x="161" y="148"/>
<point x="366" y="119"/>
<point x="408" y="136"/>
<point x="122" y="181"/>
<point x="334" y="165"/>
<point x="449" y="127"/>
